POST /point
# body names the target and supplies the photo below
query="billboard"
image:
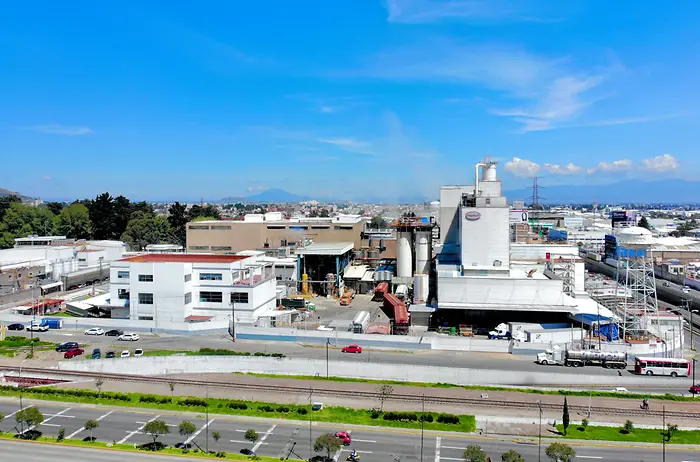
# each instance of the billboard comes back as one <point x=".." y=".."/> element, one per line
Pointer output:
<point x="623" y="216"/>
<point x="518" y="216"/>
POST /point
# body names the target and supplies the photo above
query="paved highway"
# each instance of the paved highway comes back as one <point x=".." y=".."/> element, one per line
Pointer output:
<point x="278" y="438"/>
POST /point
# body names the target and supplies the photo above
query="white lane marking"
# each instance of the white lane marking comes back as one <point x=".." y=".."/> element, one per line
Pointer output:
<point x="10" y="415"/>
<point x="138" y="430"/>
<point x="452" y="447"/>
<point x="58" y="414"/>
<point x="169" y="425"/>
<point x="50" y="425"/>
<point x="437" y="449"/>
<point x="263" y="438"/>
<point x="189" y="440"/>
<point x="359" y="452"/>
<point x="451" y="458"/>
<point x="589" y="457"/>
<point x="244" y="442"/>
<point x="365" y="441"/>
<point x="83" y="428"/>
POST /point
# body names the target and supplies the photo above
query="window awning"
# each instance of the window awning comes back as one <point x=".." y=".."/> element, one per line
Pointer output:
<point x="51" y="285"/>
<point x="195" y="318"/>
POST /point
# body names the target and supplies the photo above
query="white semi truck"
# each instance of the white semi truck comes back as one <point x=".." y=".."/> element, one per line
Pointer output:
<point x="580" y="358"/>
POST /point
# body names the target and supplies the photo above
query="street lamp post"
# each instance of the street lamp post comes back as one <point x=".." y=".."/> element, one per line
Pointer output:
<point x="691" y="328"/>
<point x="539" y="435"/>
<point x="422" y="422"/>
<point x="694" y="361"/>
<point x="19" y="384"/>
<point x="311" y="410"/>
<point x="328" y="342"/>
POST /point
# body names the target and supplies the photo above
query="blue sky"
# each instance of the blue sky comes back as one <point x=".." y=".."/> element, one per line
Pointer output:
<point x="182" y="100"/>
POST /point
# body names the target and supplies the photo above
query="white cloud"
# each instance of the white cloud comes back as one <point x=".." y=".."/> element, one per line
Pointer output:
<point x="569" y="169"/>
<point x="428" y="11"/>
<point x="665" y="163"/>
<point x="614" y="166"/>
<point x="349" y="144"/>
<point x="47" y="178"/>
<point x="56" y="129"/>
<point x="522" y="167"/>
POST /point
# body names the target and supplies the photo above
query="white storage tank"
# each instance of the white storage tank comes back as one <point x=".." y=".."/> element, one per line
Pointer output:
<point x="420" y="288"/>
<point x="423" y="252"/>
<point x="404" y="259"/>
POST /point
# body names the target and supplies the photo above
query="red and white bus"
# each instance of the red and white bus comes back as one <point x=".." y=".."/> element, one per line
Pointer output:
<point x="662" y="366"/>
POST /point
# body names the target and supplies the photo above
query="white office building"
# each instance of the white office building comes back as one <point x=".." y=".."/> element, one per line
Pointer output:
<point x="173" y="289"/>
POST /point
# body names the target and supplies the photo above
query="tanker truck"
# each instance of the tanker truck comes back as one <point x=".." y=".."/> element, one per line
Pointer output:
<point x="580" y="358"/>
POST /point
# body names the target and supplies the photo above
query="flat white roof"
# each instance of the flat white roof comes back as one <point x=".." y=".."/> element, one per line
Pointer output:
<point x="355" y="272"/>
<point x="326" y="248"/>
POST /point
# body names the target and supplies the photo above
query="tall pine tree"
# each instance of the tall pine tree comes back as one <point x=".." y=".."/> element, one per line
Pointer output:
<point x="565" y="417"/>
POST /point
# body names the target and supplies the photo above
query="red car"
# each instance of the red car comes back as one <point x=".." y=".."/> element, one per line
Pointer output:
<point x="352" y="349"/>
<point x="695" y="389"/>
<point x="73" y="353"/>
<point x="344" y="438"/>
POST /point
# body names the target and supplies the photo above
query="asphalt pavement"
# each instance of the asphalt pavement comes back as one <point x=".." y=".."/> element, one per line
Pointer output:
<point x="283" y="438"/>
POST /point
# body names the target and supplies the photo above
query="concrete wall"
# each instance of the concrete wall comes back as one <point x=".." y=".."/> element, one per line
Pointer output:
<point x="505" y="291"/>
<point x="289" y="366"/>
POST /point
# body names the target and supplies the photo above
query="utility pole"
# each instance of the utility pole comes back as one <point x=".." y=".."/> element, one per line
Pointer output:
<point x="422" y="424"/>
<point x="663" y="434"/>
<point x="311" y="410"/>
<point x="539" y="435"/>
<point x="233" y="322"/>
<point x="206" y="422"/>
<point x="328" y="342"/>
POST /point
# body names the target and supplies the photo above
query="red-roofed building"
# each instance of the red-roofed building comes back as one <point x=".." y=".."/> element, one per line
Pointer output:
<point x="176" y="288"/>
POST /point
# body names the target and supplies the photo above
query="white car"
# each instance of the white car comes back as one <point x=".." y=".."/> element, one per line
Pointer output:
<point x="38" y="327"/>
<point x="125" y="354"/>
<point x="95" y="331"/>
<point x="686" y="289"/>
<point x="130" y="337"/>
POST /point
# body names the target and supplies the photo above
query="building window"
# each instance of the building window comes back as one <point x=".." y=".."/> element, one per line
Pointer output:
<point x="239" y="297"/>
<point x="299" y="227"/>
<point x="188" y="277"/>
<point x="222" y="227"/>
<point x="145" y="278"/>
<point x="122" y="275"/>
<point x="488" y="201"/>
<point x="199" y="247"/>
<point x="276" y="227"/>
<point x="283" y="243"/>
<point x="211" y="297"/>
<point x="198" y="227"/>
<point x="320" y="227"/>
<point x="145" y="299"/>
<point x="188" y="298"/>
<point x="220" y="247"/>
<point x="342" y="228"/>
<point x="145" y="318"/>
<point x="123" y="294"/>
<point x="210" y="277"/>
<point x="82" y="259"/>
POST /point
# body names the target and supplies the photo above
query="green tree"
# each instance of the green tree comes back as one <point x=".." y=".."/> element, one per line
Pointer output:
<point x="5" y="202"/>
<point x="327" y="443"/>
<point x="177" y="219"/>
<point x="29" y="416"/>
<point x="74" y="222"/>
<point x="91" y="425"/>
<point x="55" y="207"/>
<point x="668" y="434"/>
<point x="21" y="220"/>
<point x="378" y="222"/>
<point x="102" y="216"/>
<point x="384" y="391"/>
<point x="644" y="223"/>
<point x="208" y="210"/>
<point x="156" y="428"/>
<point x="584" y="424"/>
<point x="142" y="206"/>
<point x="186" y="429"/>
<point x="251" y="435"/>
<point x="474" y="453"/>
<point x="61" y="434"/>
<point x="629" y="427"/>
<point x="217" y="437"/>
<point x="565" y="416"/>
<point x="558" y="452"/>
<point x="123" y="211"/>
<point x="512" y="456"/>
<point x="144" y="229"/>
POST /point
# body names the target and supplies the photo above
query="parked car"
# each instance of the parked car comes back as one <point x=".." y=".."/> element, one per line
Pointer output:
<point x="15" y="327"/>
<point x="125" y="354"/>
<point x="131" y="337"/>
<point x="352" y="349"/>
<point x="95" y="331"/>
<point x="114" y="333"/>
<point x="96" y="353"/>
<point x="67" y="346"/>
<point x="73" y="353"/>
<point x="183" y="446"/>
<point x="138" y="352"/>
<point x="344" y="438"/>
<point x="36" y="327"/>
<point x="247" y="452"/>
<point x="110" y="354"/>
<point x="685" y="289"/>
<point x="694" y="389"/>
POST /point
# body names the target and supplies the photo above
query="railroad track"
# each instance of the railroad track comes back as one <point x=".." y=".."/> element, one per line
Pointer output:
<point x="286" y="389"/>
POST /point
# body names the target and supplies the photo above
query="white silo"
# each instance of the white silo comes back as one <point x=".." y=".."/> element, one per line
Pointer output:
<point x="489" y="172"/>
<point x="404" y="259"/>
<point x="422" y="252"/>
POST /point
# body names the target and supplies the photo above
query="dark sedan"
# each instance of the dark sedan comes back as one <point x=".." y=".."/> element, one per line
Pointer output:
<point x="63" y="347"/>
<point x="114" y="333"/>
<point x="15" y="327"/>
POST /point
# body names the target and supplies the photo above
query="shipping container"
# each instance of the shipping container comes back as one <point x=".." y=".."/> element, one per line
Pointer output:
<point x="53" y="323"/>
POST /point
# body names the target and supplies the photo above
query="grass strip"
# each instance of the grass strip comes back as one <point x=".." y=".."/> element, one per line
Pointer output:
<point x="130" y="448"/>
<point x="637" y="435"/>
<point x="18" y="342"/>
<point x="535" y="391"/>
<point x="334" y="414"/>
<point x="210" y="352"/>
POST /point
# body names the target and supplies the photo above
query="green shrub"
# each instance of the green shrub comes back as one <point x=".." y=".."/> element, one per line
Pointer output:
<point x="427" y="417"/>
<point x="302" y="411"/>
<point x="375" y="414"/>
<point x="401" y="416"/>
<point x="193" y="402"/>
<point x="282" y="409"/>
<point x="448" y="419"/>
<point x="266" y="408"/>
<point x="237" y="405"/>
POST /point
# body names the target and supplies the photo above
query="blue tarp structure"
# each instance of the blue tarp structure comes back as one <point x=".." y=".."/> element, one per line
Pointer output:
<point x="607" y="328"/>
<point x="590" y="319"/>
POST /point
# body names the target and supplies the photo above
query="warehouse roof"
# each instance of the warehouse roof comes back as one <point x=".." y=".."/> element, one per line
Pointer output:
<point x="183" y="258"/>
<point x="326" y="248"/>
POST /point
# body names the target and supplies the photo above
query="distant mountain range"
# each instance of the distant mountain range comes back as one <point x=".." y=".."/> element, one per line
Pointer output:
<point x="269" y="195"/>
<point x="623" y="192"/>
<point x="7" y="192"/>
